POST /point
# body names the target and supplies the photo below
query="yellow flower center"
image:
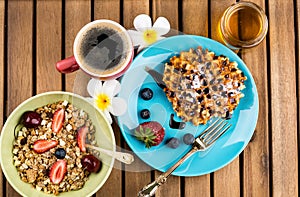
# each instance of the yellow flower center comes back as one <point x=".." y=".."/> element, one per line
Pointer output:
<point x="150" y="36"/>
<point x="102" y="101"/>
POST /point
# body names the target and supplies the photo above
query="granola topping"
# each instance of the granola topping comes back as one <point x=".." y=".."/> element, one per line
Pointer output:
<point x="34" y="168"/>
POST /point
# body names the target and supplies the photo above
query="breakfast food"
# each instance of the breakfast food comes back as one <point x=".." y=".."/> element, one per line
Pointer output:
<point x="31" y="119"/>
<point x="173" y="142"/>
<point x="49" y="150"/>
<point x="175" y="124"/>
<point x="188" y="138"/>
<point x="201" y="85"/>
<point x="151" y="133"/>
<point x="146" y="94"/>
<point x="145" y="113"/>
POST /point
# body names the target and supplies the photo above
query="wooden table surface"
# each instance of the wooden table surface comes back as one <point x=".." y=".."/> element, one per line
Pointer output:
<point x="34" y="34"/>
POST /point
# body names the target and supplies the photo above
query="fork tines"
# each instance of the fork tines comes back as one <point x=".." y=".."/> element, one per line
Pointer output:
<point x="214" y="131"/>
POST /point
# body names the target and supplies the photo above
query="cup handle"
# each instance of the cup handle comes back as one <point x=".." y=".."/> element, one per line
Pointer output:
<point x="67" y="65"/>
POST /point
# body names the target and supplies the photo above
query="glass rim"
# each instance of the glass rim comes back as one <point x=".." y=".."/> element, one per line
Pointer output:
<point x="249" y="43"/>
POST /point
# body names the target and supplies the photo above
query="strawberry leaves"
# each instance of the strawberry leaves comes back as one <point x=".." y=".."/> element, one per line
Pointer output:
<point x="151" y="133"/>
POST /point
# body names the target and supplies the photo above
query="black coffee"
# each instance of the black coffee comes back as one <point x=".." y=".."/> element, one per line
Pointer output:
<point x="102" y="49"/>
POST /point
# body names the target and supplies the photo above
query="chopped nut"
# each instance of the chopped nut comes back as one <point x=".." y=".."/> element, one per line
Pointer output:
<point x="15" y="151"/>
<point x="20" y="133"/>
<point x="62" y="143"/>
<point x="65" y="103"/>
<point x="49" y="124"/>
<point x="69" y="127"/>
<point x="24" y="166"/>
<point x="82" y="113"/>
<point x="38" y="188"/>
<point x="31" y="175"/>
<point x="44" y="122"/>
<point x="34" y="168"/>
<point x="17" y="163"/>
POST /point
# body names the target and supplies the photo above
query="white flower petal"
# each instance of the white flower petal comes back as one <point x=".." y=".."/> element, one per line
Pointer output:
<point x="111" y="87"/>
<point x="117" y="88"/>
<point x="119" y="106"/>
<point x="161" y="26"/>
<point x="94" y="87"/>
<point x="142" y="22"/>
<point x="107" y="115"/>
<point x="136" y="37"/>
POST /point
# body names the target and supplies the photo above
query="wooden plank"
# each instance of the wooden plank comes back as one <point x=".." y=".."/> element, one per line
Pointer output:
<point x="195" y="21"/>
<point x="77" y="14"/>
<point x="197" y="185"/>
<point x="298" y="62"/>
<point x="137" y="174"/>
<point x="227" y="180"/>
<point x="110" y="9"/>
<point x="131" y="9"/>
<point x="19" y="62"/>
<point x="2" y="102"/>
<point x="107" y="9"/>
<point x="168" y="9"/>
<point x="256" y="155"/>
<point x="217" y="8"/>
<point x="48" y="45"/>
<point x="283" y="98"/>
<point x="229" y="175"/>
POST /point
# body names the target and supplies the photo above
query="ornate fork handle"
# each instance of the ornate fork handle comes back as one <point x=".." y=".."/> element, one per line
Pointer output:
<point x="150" y="189"/>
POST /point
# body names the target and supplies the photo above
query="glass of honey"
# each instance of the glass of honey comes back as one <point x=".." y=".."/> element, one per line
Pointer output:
<point x="243" y="25"/>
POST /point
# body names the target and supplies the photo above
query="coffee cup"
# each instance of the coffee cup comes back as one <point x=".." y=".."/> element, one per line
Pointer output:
<point x="103" y="49"/>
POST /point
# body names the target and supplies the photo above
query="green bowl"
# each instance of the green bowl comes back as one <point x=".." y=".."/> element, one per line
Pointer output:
<point x="104" y="136"/>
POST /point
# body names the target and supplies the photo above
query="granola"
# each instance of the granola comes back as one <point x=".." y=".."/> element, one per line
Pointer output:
<point x="34" y="168"/>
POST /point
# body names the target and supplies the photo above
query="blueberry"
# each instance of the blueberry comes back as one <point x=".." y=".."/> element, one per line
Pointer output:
<point x="173" y="142"/>
<point x="188" y="139"/>
<point x="60" y="153"/>
<point x="146" y="93"/>
<point x="145" y="114"/>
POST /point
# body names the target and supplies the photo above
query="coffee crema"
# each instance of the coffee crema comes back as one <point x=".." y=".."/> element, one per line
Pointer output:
<point x="103" y="49"/>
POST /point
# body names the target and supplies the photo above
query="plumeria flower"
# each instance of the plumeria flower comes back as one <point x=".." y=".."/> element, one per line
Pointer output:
<point x="147" y="34"/>
<point x="104" y="97"/>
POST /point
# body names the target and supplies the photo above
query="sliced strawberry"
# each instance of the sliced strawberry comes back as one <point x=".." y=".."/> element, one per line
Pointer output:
<point x="151" y="133"/>
<point x="58" y="120"/>
<point x="81" y="137"/>
<point x="41" y="146"/>
<point x="58" y="171"/>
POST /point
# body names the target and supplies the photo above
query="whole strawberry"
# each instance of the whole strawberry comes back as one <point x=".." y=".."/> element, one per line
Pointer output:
<point x="151" y="133"/>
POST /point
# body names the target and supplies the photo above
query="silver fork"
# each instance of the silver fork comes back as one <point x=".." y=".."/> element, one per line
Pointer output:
<point x="201" y="143"/>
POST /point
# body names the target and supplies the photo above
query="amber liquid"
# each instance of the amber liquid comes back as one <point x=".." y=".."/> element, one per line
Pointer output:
<point x="245" y="24"/>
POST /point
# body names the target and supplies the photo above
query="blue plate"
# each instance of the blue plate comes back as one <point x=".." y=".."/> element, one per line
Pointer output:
<point x="161" y="157"/>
